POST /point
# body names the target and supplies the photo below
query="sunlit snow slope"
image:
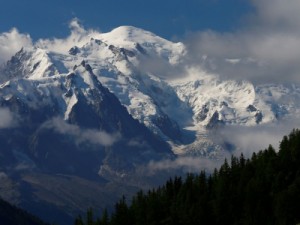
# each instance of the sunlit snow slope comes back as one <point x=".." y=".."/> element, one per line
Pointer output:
<point x="149" y="76"/>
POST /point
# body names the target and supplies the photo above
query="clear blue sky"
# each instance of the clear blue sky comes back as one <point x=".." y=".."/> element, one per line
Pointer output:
<point x="167" y="18"/>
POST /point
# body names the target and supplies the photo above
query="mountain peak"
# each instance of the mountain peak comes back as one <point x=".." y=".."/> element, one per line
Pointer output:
<point x="130" y="30"/>
<point x="129" y="36"/>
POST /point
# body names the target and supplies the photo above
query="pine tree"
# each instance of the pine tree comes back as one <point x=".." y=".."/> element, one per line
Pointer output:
<point x="79" y="221"/>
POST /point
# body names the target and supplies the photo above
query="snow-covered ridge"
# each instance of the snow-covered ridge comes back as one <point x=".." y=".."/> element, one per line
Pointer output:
<point x="135" y="65"/>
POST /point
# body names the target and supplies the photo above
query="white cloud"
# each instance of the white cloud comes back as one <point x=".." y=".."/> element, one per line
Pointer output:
<point x="7" y="119"/>
<point x="82" y="135"/>
<point x="11" y="42"/>
<point x="247" y="140"/>
<point x="278" y="13"/>
<point x="79" y="36"/>
<point x="267" y="47"/>
<point x="185" y="164"/>
<point x="256" y="138"/>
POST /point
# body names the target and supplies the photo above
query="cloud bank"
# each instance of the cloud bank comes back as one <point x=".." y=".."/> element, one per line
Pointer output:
<point x="265" y="49"/>
<point x="186" y="164"/>
<point x="252" y="139"/>
<point x="245" y="140"/>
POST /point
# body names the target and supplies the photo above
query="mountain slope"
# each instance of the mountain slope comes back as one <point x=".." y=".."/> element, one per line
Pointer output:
<point x="101" y="111"/>
<point x="10" y="215"/>
<point x="67" y="122"/>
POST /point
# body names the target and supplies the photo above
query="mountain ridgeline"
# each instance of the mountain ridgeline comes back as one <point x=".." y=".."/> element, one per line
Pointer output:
<point x="94" y="114"/>
<point x="262" y="190"/>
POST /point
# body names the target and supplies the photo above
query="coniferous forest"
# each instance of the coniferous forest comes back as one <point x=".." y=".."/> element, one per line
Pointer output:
<point x="264" y="189"/>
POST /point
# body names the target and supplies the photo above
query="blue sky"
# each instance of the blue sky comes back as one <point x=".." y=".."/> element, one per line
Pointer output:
<point x="167" y="18"/>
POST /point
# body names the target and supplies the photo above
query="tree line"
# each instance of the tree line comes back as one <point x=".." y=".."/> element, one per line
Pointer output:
<point x="263" y="189"/>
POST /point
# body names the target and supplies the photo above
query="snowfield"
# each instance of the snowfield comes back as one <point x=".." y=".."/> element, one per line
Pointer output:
<point x="148" y="74"/>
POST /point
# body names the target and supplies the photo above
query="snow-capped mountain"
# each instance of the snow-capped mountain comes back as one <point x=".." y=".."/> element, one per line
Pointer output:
<point x="114" y="102"/>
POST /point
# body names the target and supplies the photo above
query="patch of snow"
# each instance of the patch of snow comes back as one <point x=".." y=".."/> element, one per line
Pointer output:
<point x="70" y="104"/>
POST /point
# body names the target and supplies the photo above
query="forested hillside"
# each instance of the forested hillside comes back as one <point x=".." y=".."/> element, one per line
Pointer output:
<point x="11" y="215"/>
<point x="262" y="190"/>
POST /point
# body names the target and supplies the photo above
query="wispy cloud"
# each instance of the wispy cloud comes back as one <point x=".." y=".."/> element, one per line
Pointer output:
<point x="186" y="164"/>
<point x="245" y="140"/>
<point x="82" y="135"/>
<point x="7" y="118"/>
<point x="252" y="139"/>
<point x="78" y="36"/>
<point x="11" y="42"/>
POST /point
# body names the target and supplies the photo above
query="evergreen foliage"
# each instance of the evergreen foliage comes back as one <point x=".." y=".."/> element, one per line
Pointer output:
<point x="262" y="190"/>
